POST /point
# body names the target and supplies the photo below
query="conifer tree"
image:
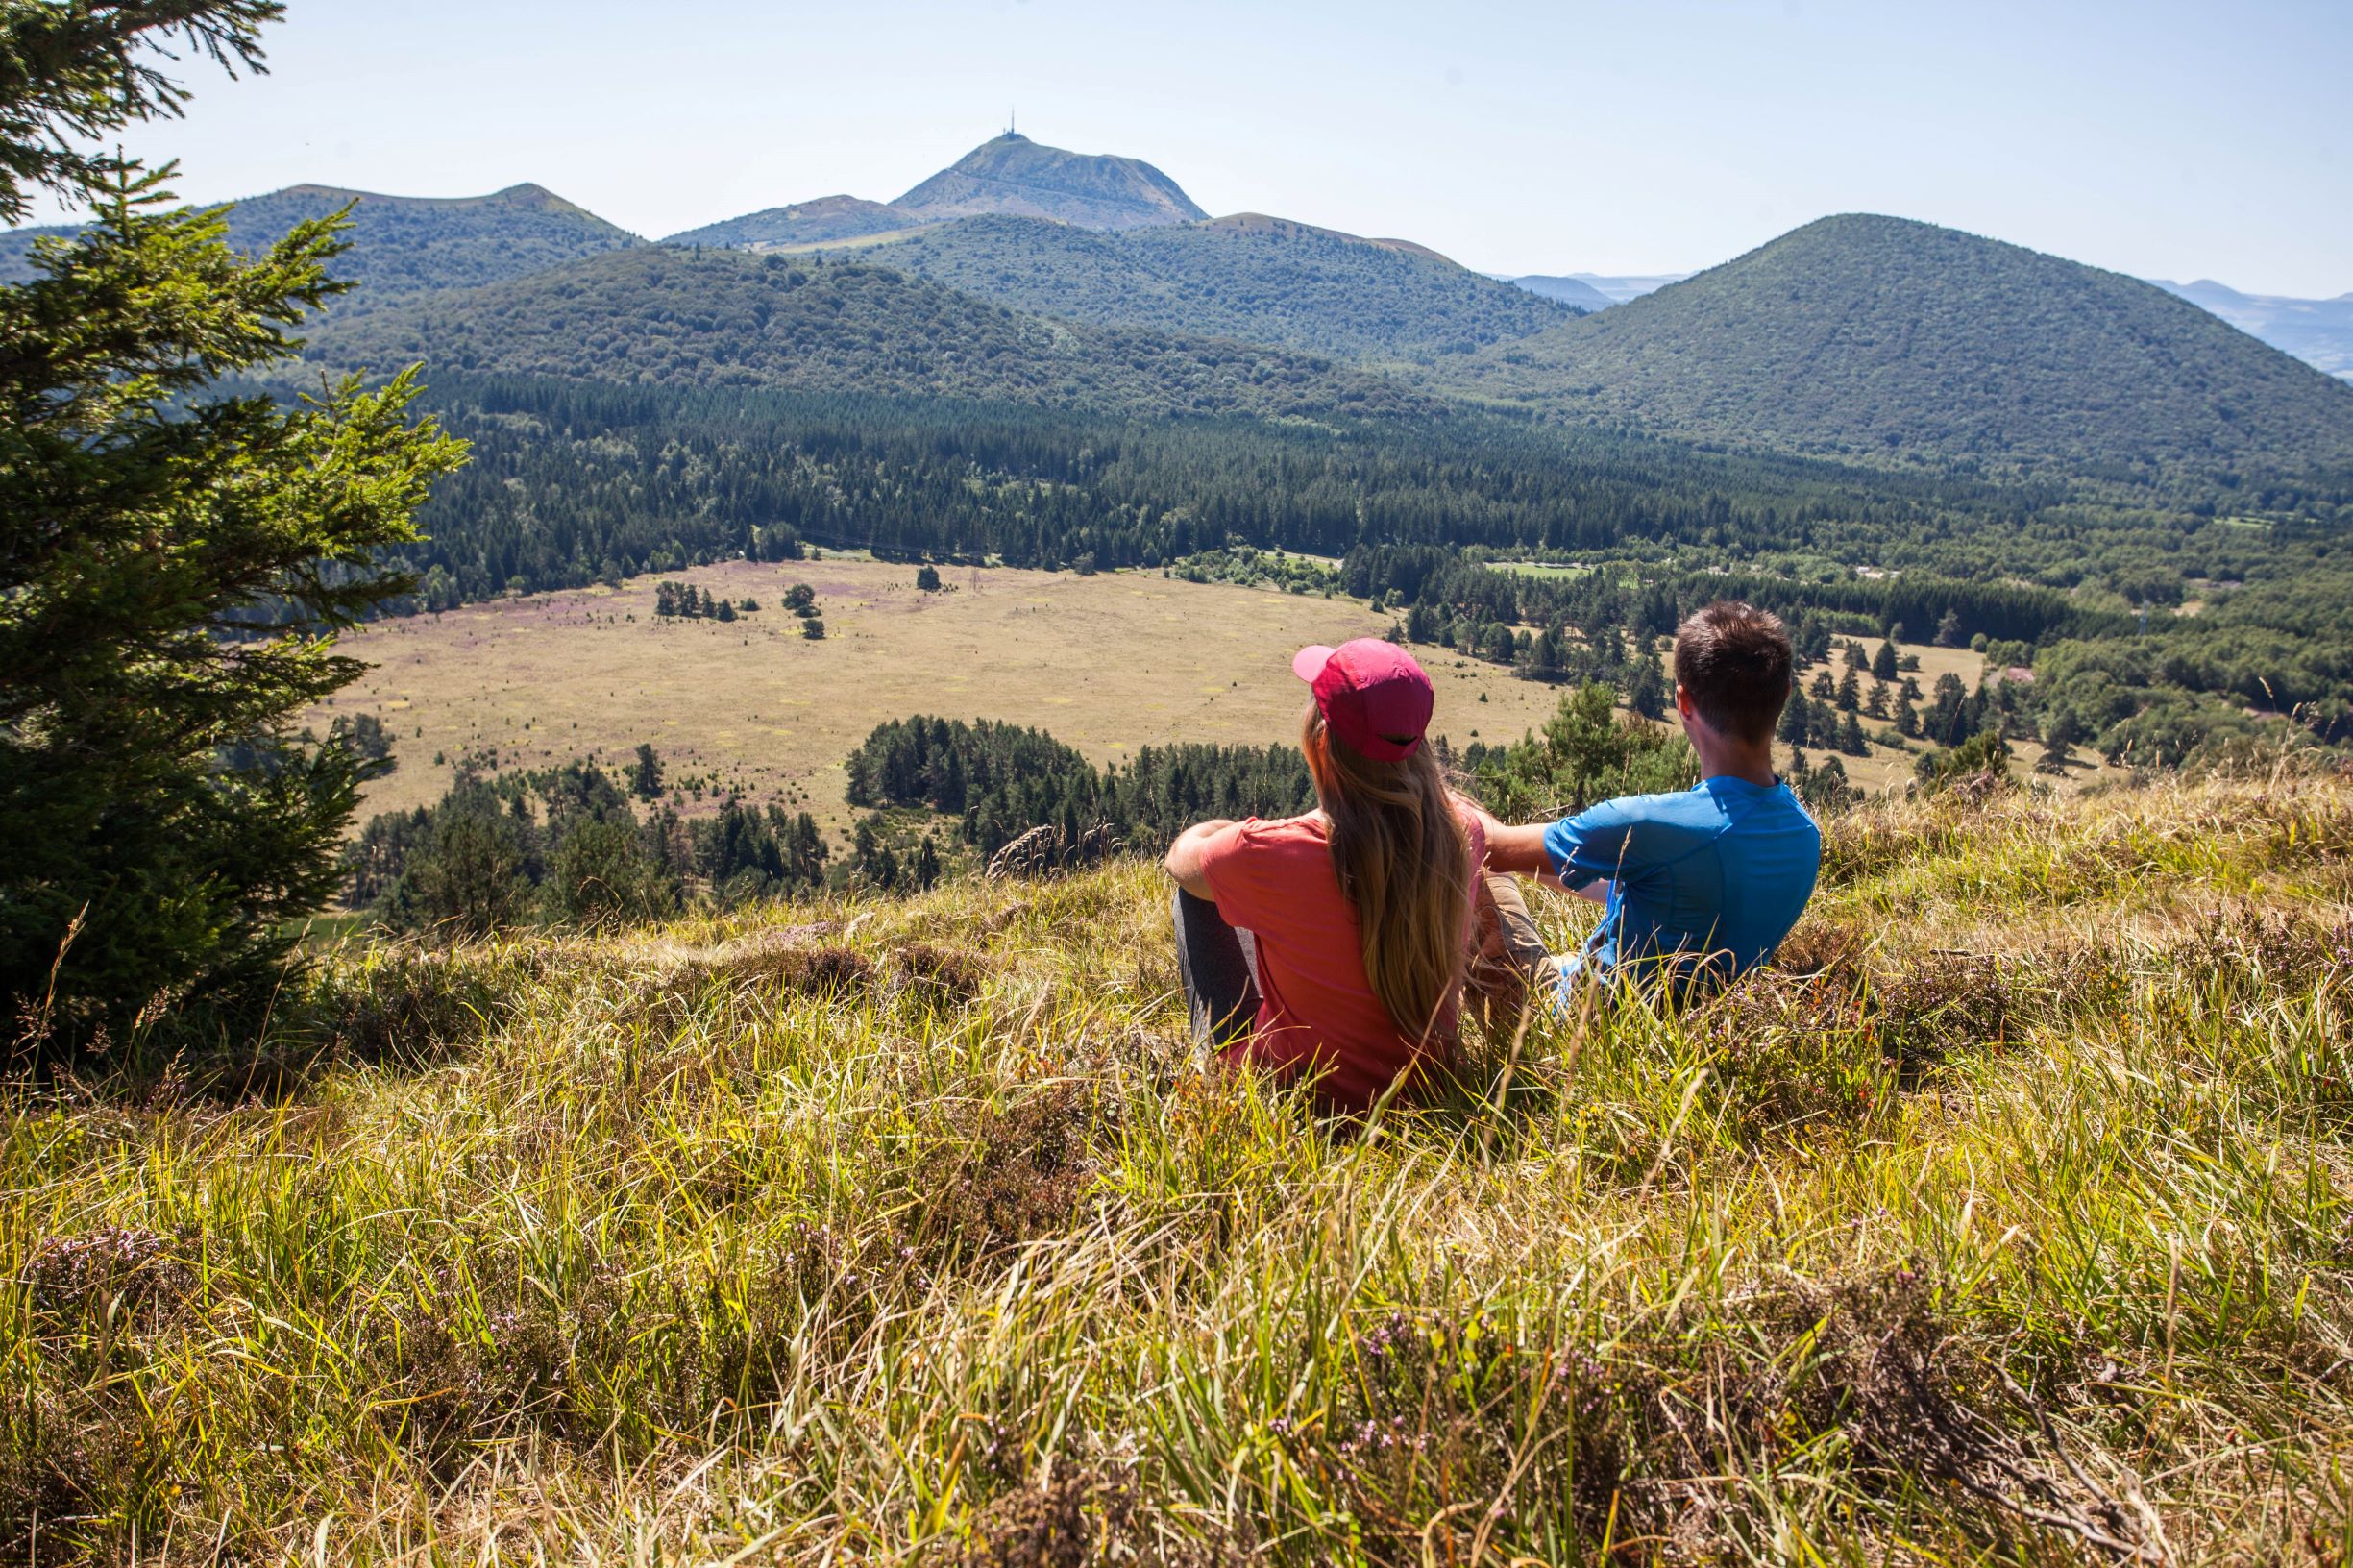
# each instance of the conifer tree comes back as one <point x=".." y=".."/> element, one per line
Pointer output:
<point x="645" y="778"/>
<point x="175" y="563"/>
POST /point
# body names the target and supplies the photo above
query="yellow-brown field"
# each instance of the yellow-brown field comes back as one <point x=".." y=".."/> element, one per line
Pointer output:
<point x="1107" y="663"/>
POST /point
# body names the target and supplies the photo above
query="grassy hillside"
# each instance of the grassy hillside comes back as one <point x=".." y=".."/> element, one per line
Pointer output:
<point x="726" y="319"/>
<point x="1871" y="336"/>
<point x="1014" y="174"/>
<point x="403" y="245"/>
<point x="833" y="1232"/>
<point x="1264" y="281"/>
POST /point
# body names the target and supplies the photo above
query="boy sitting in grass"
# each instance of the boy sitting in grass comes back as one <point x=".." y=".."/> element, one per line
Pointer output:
<point x="1699" y="885"/>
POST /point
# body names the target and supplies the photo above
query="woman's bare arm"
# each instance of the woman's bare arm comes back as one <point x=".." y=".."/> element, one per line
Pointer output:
<point x="1183" y="862"/>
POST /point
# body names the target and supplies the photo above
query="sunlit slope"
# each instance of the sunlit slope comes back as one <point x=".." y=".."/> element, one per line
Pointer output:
<point x="2010" y="1218"/>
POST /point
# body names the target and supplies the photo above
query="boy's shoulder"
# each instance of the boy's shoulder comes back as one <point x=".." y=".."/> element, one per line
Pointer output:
<point x="1694" y="808"/>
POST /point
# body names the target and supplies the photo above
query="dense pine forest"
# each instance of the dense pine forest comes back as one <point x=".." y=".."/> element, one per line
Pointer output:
<point x="2153" y="626"/>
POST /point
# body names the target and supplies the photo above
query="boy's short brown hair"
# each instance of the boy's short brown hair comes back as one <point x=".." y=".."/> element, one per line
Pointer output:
<point x="1735" y="661"/>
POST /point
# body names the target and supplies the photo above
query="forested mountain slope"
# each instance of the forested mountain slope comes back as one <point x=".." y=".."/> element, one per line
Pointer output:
<point x="1014" y="174"/>
<point x="1872" y="336"/>
<point x="1262" y="279"/>
<point x="819" y="222"/>
<point x="726" y="319"/>
<point x="1574" y="291"/>
<point x="403" y="244"/>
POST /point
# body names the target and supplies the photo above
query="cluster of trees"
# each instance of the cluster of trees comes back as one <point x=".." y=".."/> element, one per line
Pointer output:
<point x="567" y="844"/>
<point x="890" y="859"/>
<point x="1002" y="780"/>
<point x="684" y="601"/>
<point x="1587" y="752"/>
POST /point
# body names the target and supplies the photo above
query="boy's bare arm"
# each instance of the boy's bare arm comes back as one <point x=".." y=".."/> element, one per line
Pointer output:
<point x="1520" y="851"/>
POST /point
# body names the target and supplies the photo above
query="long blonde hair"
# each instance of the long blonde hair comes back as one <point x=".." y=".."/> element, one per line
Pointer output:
<point x="1402" y="859"/>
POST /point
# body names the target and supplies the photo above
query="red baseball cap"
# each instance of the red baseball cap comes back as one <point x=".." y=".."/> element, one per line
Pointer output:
<point x="1371" y="694"/>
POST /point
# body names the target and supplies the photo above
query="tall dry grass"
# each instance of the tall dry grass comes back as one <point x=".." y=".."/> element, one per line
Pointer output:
<point x="2006" y="1221"/>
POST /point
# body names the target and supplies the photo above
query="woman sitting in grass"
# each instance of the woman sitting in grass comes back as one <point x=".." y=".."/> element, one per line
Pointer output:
<point x="1336" y="945"/>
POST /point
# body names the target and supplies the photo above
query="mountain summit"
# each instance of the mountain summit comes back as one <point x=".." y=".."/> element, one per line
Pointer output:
<point x="1014" y="174"/>
<point x="1867" y="334"/>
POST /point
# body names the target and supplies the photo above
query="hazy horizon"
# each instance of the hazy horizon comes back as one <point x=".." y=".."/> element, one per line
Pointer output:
<point x="1612" y="140"/>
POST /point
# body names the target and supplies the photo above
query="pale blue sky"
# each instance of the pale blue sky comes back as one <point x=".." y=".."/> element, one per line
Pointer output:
<point x="2163" y="139"/>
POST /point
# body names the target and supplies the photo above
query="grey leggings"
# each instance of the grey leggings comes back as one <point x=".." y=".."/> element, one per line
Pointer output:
<point x="1218" y="964"/>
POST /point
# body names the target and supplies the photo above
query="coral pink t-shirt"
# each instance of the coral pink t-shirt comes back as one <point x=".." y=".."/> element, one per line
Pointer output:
<point x="1317" y="1013"/>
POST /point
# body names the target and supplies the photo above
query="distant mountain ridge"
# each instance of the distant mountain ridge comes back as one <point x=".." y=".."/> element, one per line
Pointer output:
<point x="1862" y="335"/>
<point x="1250" y="277"/>
<point x="403" y="245"/>
<point x="826" y="220"/>
<point x="1574" y="291"/>
<point x="1015" y="175"/>
<point x="723" y="319"/>
<point x="2317" y="332"/>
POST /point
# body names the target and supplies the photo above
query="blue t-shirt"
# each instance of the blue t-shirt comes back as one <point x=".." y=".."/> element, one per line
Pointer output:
<point x="1717" y="873"/>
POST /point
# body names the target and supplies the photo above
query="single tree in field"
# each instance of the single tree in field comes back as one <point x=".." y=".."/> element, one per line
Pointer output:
<point x="1794" y="727"/>
<point x="1646" y="689"/>
<point x="175" y="563"/>
<point x="645" y="778"/>
<point x="1948" y="630"/>
<point x="1884" y="663"/>
<point x="1850" y="691"/>
<point x="927" y="579"/>
<point x="1850" y="738"/>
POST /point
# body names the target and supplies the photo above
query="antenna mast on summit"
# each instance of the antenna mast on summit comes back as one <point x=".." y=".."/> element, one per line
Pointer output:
<point x="1009" y="122"/>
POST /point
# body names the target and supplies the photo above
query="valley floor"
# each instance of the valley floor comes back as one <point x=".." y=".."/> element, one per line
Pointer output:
<point x="1106" y="663"/>
<point x="2008" y="1222"/>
